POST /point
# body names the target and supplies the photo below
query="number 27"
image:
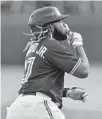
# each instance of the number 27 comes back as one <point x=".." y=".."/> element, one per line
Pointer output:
<point x="28" y="68"/>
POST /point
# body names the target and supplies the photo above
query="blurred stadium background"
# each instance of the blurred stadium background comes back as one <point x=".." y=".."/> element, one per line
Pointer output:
<point x="85" y="18"/>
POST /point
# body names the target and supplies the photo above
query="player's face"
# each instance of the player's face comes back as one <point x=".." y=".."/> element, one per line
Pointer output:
<point x="60" y="30"/>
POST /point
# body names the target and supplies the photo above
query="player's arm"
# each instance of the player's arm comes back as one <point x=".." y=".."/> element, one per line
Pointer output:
<point x="76" y="41"/>
<point x="63" y="59"/>
<point x="83" y="69"/>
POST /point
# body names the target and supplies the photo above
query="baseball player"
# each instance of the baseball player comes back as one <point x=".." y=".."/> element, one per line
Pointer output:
<point x="49" y="55"/>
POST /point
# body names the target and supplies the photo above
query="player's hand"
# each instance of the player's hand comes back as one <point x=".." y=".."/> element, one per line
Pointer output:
<point x="66" y="27"/>
<point x="75" y="39"/>
<point x="77" y="93"/>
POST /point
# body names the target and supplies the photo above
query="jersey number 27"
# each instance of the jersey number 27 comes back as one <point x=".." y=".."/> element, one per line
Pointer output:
<point x="28" y="68"/>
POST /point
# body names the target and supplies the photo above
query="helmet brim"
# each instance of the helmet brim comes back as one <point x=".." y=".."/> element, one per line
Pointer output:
<point x="61" y="17"/>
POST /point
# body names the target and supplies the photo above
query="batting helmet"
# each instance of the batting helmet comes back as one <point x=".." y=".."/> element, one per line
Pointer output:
<point x="45" y="15"/>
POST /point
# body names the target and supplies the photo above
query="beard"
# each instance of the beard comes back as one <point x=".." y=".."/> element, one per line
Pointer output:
<point x="58" y="35"/>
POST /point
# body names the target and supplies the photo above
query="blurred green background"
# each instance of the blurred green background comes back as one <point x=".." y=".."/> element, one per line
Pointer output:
<point x="85" y="18"/>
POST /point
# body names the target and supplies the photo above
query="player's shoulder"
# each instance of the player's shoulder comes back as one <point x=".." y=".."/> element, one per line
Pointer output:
<point x="57" y="46"/>
<point x="52" y="44"/>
